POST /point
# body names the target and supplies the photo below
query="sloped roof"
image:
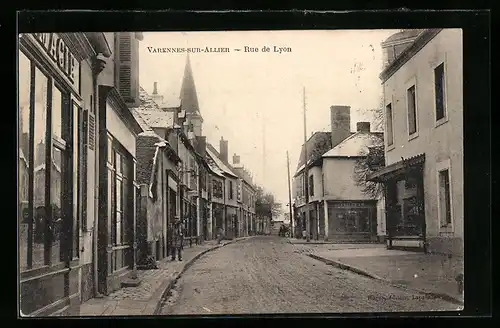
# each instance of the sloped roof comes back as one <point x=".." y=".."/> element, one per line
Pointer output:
<point x="157" y="119"/>
<point x="317" y="145"/>
<point x="243" y="174"/>
<point x="213" y="166"/>
<point x="220" y="164"/>
<point x="150" y="113"/>
<point x="356" y="144"/>
<point x="404" y="34"/>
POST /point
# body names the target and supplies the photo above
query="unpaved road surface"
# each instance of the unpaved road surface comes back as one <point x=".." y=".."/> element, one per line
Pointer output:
<point x="268" y="275"/>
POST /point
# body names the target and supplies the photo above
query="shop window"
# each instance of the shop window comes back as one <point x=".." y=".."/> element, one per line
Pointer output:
<point x="24" y="153"/>
<point x="45" y="173"/>
<point x="353" y="220"/>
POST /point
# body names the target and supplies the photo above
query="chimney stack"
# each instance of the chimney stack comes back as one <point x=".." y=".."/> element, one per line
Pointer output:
<point x="236" y="159"/>
<point x="340" y="117"/>
<point x="223" y="149"/>
<point x="158" y="99"/>
<point x="363" y="127"/>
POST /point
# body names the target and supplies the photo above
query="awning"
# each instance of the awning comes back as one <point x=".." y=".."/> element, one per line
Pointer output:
<point x="395" y="169"/>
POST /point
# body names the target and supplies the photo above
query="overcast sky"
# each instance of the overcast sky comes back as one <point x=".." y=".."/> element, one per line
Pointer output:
<point x="239" y="93"/>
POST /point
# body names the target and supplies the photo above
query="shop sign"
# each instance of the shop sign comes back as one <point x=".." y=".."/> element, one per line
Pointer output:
<point x="349" y="204"/>
<point x="61" y="56"/>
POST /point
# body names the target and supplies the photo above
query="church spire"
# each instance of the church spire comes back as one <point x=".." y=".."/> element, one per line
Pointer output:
<point x="189" y="97"/>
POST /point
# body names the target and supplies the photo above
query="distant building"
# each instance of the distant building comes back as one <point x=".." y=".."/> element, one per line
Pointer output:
<point x="350" y="213"/>
<point x="423" y="92"/>
<point x="338" y="207"/>
<point x="158" y="177"/>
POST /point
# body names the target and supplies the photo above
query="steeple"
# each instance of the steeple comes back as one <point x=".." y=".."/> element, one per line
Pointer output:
<point x="189" y="99"/>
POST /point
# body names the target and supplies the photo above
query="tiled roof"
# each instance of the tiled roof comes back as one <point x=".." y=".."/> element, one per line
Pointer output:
<point x="317" y="145"/>
<point x="404" y="34"/>
<point x="157" y="119"/>
<point x="213" y="166"/>
<point x="356" y="145"/>
<point x="146" y="102"/>
<point x="150" y="113"/>
<point x="220" y="164"/>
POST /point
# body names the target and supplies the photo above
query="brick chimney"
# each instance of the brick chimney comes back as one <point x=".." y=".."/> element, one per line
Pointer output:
<point x="158" y="99"/>
<point x="340" y="117"/>
<point x="363" y="127"/>
<point x="223" y="149"/>
<point x="236" y="159"/>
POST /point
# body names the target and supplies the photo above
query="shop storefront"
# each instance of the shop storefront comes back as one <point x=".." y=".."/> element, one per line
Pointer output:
<point x="404" y="193"/>
<point x="352" y="220"/>
<point x="55" y="97"/>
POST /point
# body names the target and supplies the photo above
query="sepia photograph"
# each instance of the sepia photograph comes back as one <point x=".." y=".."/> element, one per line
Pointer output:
<point x="240" y="172"/>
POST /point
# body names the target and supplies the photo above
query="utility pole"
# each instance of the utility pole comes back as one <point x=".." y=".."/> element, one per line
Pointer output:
<point x="289" y="195"/>
<point x="306" y="170"/>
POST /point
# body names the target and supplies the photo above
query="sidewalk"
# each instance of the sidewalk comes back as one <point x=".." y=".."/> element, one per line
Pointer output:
<point x="431" y="274"/>
<point x="297" y="241"/>
<point x="146" y="298"/>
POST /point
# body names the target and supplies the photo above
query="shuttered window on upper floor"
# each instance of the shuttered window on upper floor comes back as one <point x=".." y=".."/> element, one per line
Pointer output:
<point x="124" y="64"/>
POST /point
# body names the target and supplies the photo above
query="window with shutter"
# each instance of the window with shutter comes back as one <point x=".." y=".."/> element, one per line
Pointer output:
<point x="124" y="58"/>
<point x="124" y="81"/>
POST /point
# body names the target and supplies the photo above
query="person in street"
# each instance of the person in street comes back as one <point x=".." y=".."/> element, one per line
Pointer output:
<point x="177" y="240"/>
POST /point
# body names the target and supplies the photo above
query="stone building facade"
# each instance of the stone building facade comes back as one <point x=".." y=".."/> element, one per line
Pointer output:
<point x="424" y="143"/>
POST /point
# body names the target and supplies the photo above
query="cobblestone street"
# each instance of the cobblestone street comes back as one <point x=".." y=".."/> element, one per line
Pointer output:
<point x="268" y="275"/>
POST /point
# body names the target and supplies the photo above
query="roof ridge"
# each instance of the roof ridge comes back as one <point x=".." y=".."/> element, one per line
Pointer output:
<point x="343" y="141"/>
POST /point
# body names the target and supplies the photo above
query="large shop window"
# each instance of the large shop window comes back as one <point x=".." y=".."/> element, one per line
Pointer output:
<point x="45" y="169"/>
<point x="120" y="202"/>
<point x="356" y="220"/>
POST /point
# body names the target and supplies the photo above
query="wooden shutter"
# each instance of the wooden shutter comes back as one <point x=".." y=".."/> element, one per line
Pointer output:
<point x="124" y="69"/>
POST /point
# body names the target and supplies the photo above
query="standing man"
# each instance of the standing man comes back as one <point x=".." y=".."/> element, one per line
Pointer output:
<point x="177" y="240"/>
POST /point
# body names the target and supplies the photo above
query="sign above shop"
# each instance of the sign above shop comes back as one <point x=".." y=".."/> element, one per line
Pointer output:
<point x="61" y="55"/>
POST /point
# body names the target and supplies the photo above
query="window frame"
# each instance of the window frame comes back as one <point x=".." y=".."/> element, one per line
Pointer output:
<point x="411" y="82"/>
<point x="413" y="134"/>
<point x="444" y="227"/>
<point x="444" y="119"/>
<point x="389" y="120"/>
<point x="117" y="155"/>
<point x="311" y="185"/>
